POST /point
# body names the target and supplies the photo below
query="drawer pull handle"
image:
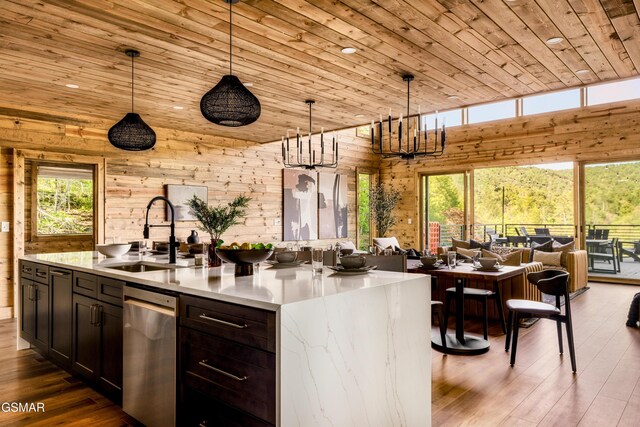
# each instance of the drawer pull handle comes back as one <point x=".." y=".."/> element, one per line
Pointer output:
<point x="220" y="371"/>
<point x="59" y="273"/>
<point x="42" y="273"/>
<point x="233" y="325"/>
<point x="26" y="269"/>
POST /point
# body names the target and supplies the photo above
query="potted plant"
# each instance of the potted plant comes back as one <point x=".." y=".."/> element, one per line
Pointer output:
<point x="215" y="220"/>
<point x="381" y="204"/>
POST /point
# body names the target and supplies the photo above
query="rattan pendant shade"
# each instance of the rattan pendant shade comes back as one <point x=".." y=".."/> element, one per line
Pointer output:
<point x="230" y="103"/>
<point x="132" y="133"/>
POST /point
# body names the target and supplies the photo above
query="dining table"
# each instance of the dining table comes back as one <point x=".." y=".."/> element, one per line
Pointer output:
<point x="460" y="342"/>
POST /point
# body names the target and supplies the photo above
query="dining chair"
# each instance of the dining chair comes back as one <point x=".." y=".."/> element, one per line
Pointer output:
<point x="550" y="282"/>
<point x="542" y="231"/>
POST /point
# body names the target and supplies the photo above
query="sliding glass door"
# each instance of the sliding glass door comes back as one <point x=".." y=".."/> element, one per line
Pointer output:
<point x="444" y="213"/>
<point x="612" y="220"/>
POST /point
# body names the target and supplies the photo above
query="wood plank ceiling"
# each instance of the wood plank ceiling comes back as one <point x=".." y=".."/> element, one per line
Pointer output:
<point x="461" y="52"/>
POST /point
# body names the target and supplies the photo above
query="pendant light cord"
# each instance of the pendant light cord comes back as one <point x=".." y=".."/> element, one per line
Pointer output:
<point x="230" y="38"/>
<point x="408" y="111"/>
<point x="132" y="83"/>
<point x="310" y="105"/>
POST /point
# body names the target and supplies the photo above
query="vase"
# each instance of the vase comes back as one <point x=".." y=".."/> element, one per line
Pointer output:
<point x="214" y="261"/>
<point x="193" y="237"/>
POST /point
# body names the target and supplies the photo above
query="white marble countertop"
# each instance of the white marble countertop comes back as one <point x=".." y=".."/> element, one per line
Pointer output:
<point x="268" y="288"/>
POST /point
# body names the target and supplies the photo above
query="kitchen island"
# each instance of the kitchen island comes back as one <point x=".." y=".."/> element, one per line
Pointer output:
<point x="348" y="350"/>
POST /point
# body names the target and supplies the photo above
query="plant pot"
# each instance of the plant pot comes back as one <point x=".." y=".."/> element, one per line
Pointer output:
<point x="214" y="261"/>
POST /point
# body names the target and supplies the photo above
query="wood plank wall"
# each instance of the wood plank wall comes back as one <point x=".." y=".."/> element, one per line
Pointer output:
<point x="228" y="167"/>
<point x="601" y="133"/>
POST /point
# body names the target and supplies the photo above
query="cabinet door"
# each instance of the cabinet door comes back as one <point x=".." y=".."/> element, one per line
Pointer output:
<point x="86" y="337"/>
<point x="41" y="338"/>
<point x="27" y="310"/>
<point x="61" y="316"/>
<point x="110" y="377"/>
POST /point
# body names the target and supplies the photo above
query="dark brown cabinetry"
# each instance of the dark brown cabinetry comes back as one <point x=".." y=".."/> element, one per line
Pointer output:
<point x="61" y="316"/>
<point x="97" y="334"/>
<point x="34" y="305"/>
<point x="227" y="360"/>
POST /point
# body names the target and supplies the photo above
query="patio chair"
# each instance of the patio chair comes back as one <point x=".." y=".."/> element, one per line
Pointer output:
<point x="591" y="234"/>
<point x="598" y="234"/>
<point x="551" y="282"/>
<point x="540" y="239"/>
<point x="523" y="231"/>
<point x="495" y="239"/>
<point x="607" y="252"/>
<point x="542" y="231"/>
<point x="514" y="241"/>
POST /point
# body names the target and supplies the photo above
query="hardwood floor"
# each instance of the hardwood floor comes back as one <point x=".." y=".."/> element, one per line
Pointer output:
<point x="540" y="390"/>
<point x="27" y="377"/>
<point x="480" y="390"/>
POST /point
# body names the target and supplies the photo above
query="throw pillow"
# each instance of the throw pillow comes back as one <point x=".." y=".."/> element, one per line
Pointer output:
<point x="564" y="249"/>
<point x="348" y="244"/>
<point x="474" y="244"/>
<point x="547" y="258"/>
<point x="469" y="253"/>
<point x="514" y="258"/>
<point x="541" y="247"/>
<point x="489" y="254"/>
<point x="456" y="243"/>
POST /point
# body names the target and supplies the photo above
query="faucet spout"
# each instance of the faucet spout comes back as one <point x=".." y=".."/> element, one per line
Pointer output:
<point x="173" y="247"/>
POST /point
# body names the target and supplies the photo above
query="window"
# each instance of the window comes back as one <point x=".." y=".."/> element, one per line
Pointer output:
<point x="364" y="212"/>
<point x="63" y="202"/>
<point x="493" y="111"/>
<point x="449" y="118"/>
<point x="556" y="101"/>
<point x="613" y="92"/>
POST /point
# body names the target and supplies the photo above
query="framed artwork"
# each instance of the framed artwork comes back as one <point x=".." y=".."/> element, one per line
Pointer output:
<point x="178" y="196"/>
<point x="300" y="199"/>
<point x="332" y="205"/>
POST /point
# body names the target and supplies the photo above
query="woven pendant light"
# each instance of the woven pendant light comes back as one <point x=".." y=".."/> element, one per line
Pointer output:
<point x="229" y="103"/>
<point x="132" y="133"/>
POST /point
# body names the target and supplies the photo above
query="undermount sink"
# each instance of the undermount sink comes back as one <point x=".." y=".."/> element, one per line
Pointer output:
<point x="141" y="267"/>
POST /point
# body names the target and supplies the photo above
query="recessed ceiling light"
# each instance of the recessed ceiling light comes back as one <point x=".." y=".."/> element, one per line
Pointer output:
<point x="359" y="116"/>
<point x="72" y="86"/>
<point x="583" y="71"/>
<point x="555" y="40"/>
<point x="178" y="107"/>
<point x="453" y="97"/>
<point x="249" y="84"/>
<point x="348" y="50"/>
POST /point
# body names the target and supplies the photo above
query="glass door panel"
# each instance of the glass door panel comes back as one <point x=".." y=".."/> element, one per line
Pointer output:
<point x="444" y="213"/>
<point x="612" y="220"/>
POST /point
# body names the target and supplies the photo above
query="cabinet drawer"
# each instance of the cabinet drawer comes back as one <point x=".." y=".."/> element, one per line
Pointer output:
<point x="110" y="290"/>
<point x="246" y="325"/>
<point x="41" y="274"/>
<point x="237" y="375"/>
<point x="85" y="284"/>
<point x="27" y="269"/>
<point x="198" y="410"/>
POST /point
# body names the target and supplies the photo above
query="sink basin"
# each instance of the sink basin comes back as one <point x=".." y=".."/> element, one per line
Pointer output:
<point x="141" y="267"/>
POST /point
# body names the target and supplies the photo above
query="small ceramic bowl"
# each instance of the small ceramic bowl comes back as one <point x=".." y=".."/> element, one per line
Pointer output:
<point x="488" y="262"/>
<point x="353" y="261"/>
<point x="286" y="256"/>
<point x="114" y="250"/>
<point x="428" y="260"/>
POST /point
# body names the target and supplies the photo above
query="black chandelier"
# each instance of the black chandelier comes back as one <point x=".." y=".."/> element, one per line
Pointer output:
<point x="229" y="103"/>
<point x="417" y="147"/>
<point x="307" y="158"/>
<point x="132" y="133"/>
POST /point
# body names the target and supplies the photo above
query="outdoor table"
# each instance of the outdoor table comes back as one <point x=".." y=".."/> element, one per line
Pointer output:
<point x="462" y="343"/>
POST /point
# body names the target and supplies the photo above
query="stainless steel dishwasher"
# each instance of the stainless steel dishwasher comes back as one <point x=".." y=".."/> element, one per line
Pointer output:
<point x="149" y="350"/>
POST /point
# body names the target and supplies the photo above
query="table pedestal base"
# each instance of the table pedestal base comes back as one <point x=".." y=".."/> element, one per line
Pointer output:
<point x="474" y="344"/>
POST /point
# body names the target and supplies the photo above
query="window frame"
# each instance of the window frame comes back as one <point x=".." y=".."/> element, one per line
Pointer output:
<point x="373" y="179"/>
<point x="35" y="236"/>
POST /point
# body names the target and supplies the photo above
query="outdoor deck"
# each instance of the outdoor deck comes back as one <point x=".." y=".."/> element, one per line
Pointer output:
<point x="629" y="269"/>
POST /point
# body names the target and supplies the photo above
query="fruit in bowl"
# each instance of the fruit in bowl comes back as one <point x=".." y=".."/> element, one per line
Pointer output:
<point x="114" y="250"/>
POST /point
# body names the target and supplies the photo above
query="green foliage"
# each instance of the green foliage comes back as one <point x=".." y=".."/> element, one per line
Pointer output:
<point x="215" y="220"/>
<point x="446" y="197"/>
<point x="382" y="203"/>
<point x="65" y="206"/>
<point x="612" y="193"/>
<point x="364" y="213"/>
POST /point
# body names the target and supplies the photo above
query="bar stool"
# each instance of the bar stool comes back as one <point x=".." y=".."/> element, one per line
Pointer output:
<point x="481" y="295"/>
<point x="437" y="308"/>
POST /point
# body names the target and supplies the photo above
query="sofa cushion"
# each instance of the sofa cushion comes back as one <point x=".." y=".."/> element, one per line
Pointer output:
<point x="512" y="258"/>
<point x="474" y="244"/>
<point x="564" y="249"/>
<point x="386" y="242"/>
<point x="547" y="258"/>
<point x="457" y="243"/>
<point x="541" y="247"/>
<point x="469" y="253"/>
